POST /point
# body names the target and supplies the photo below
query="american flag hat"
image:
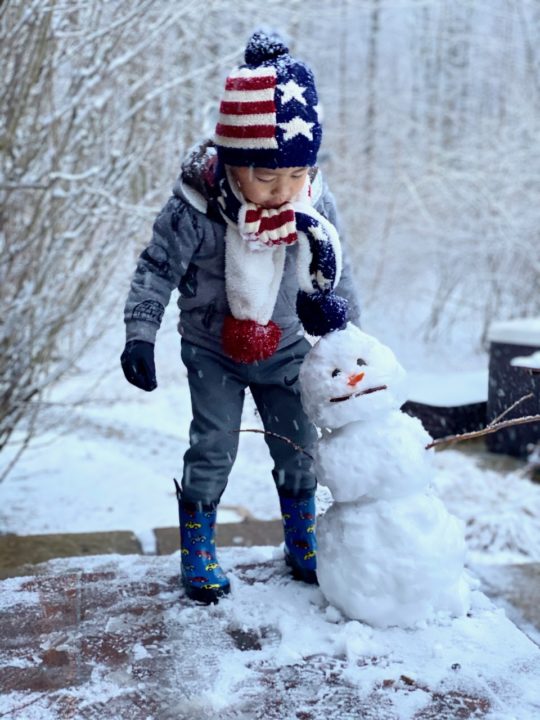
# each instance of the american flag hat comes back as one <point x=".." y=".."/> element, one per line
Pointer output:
<point x="268" y="116"/>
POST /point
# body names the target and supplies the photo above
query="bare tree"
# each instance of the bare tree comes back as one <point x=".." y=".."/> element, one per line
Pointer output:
<point x="96" y="102"/>
<point x="443" y="206"/>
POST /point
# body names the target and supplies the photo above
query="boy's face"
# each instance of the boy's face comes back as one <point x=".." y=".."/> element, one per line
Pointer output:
<point x="269" y="188"/>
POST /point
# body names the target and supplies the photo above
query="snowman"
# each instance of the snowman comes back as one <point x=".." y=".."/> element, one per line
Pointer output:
<point x="389" y="551"/>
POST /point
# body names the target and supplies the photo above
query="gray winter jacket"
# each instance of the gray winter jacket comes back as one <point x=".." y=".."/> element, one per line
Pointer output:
<point x="187" y="252"/>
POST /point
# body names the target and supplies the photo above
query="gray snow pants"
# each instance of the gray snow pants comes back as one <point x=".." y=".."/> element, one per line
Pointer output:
<point x="217" y="385"/>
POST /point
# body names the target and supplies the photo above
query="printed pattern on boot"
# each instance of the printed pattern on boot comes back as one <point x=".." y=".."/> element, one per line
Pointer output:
<point x="300" y="539"/>
<point x="202" y="577"/>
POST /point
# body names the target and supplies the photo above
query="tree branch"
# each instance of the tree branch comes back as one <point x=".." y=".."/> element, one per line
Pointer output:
<point x="279" y="437"/>
<point x="486" y="431"/>
<point x="505" y="412"/>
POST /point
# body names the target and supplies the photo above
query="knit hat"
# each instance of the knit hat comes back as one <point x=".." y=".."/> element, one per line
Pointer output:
<point x="269" y="113"/>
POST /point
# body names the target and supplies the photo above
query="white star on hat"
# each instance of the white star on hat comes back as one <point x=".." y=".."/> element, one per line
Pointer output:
<point x="291" y="90"/>
<point x="295" y="127"/>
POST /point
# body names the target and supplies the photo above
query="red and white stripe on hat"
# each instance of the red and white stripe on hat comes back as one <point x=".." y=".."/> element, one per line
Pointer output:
<point x="247" y="114"/>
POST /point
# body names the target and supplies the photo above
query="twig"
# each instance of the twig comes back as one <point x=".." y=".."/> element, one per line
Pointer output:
<point x="486" y="431"/>
<point x="276" y="435"/>
<point x="494" y="425"/>
<point x="357" y="394"/>
<point x="518" y="402"/>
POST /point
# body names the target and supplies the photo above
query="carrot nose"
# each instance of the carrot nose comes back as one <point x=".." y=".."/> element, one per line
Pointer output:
<point x="354" y="379"/>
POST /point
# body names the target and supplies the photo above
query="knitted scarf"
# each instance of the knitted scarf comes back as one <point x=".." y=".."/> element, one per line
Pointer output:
<point x="255" y="245"/>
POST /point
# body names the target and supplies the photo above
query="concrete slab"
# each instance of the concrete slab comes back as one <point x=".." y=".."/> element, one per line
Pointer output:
<point x="18" y="552"/>
<point x="247" y="533"/>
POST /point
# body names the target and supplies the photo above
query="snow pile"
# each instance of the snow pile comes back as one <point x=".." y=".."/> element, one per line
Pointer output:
<point x="448" y="388"/>
<point x="389" y="552"/>
<point x="518" y="331"/>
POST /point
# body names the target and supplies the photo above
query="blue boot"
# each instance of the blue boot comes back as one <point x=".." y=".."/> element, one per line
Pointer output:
<point x="300" y="541"/>
<point x="202" y="577"/>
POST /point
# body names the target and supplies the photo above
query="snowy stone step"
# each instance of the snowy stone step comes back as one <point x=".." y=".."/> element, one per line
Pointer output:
<point x="247" y="533"/>
<point x="18" y="553"/>
<point x="449" y="389"/>
<point x="448" y="403"/>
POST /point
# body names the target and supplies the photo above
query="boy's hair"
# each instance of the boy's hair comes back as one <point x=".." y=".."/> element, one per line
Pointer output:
<point x="269" y="112"/>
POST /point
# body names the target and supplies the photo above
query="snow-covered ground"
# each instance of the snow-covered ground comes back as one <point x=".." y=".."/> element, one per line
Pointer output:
<point x="107" y="463"/>
<point x="127" y="645"/>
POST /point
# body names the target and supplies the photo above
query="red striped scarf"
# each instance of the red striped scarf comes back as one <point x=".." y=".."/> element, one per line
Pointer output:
<point x="267" y="226"/>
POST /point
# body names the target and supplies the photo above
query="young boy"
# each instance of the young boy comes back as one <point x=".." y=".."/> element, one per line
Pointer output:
<point x="249" y="239"/>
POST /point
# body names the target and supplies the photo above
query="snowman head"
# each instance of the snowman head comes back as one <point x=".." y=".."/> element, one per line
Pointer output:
<point x="349" y="376"/>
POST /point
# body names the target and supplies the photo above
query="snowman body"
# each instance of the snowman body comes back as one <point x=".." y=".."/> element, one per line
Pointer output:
<point x="389" y="551"/>
<point x="381" y="458"/>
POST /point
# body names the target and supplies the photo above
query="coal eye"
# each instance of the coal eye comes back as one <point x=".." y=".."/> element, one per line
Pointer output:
<point x="361" y="362"/>
<point x="336" y="372"/>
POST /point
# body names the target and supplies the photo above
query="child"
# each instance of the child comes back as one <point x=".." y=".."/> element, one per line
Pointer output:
<point x="249" y="239"/>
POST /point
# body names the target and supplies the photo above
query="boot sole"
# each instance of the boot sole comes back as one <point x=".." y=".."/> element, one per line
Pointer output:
<point x="203" y="595"/>
<point x="303" y="574"/>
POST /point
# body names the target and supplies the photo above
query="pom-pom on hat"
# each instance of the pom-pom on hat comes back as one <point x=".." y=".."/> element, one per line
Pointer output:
<point x="268" y="116"/>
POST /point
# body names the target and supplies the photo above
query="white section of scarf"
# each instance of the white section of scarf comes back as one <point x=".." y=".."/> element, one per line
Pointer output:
<point x="253" y="270"/>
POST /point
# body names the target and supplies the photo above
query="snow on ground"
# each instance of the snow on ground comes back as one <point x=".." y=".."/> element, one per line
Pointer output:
<point x="500" y="509"/>
<point x="108" y="463"/>
<point x="116" y="638"/>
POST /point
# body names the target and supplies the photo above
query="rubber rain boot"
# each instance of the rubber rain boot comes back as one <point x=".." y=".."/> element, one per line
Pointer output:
<point x="300" y="540"/>
<point x="202" y="577"/>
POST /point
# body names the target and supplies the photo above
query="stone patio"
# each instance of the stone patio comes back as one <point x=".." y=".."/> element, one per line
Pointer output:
<point x="114" y="637"/>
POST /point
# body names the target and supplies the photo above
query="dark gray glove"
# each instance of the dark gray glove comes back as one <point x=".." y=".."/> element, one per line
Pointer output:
<point x="138" y="364"/>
